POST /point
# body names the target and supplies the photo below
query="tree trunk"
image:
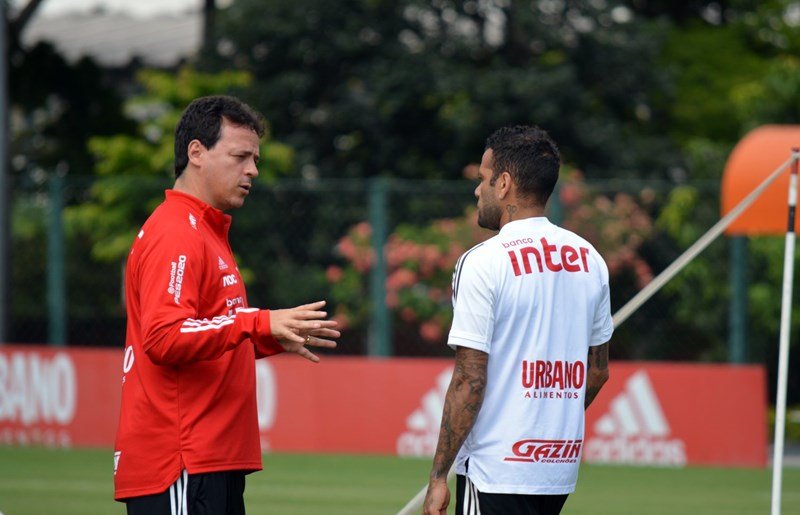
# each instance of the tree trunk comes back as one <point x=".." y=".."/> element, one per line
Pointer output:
<point x="17" y="25"/>
<point x="209" y="22"/>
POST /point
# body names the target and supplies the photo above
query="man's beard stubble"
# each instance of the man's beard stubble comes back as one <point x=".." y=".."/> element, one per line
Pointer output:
<point x="489" y="217"/>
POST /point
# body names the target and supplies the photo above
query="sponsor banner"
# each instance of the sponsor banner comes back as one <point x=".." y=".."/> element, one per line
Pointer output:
<point x="648" y="413"/>
<point x="71" y="397"/>
<point x="676" y="414"/>
<point x="59" y="397"/>
<point x="358" y="405"/>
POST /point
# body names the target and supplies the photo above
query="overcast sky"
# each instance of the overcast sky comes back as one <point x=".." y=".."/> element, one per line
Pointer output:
<point x="136" y="7"/>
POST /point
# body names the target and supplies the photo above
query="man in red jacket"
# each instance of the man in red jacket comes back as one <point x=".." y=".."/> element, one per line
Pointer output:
<point x="188" y="430"/>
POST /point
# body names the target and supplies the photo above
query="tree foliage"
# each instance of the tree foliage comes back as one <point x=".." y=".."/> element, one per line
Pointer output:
<point x="408" y="88"/>
<point x="735" y="68"/>
<point x="55" y="107"/>
<point x="631" y="89"/>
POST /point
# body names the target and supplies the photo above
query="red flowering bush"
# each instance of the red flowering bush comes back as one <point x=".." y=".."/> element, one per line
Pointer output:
<point x="419" y="263"/>
<point x="616" y="226"/>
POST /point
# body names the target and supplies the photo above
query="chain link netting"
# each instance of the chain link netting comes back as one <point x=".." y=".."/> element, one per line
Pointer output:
<point x="299" y="241"/>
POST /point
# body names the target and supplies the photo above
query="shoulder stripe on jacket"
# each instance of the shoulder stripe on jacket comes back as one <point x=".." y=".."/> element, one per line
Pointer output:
<point x="459" y="266"/>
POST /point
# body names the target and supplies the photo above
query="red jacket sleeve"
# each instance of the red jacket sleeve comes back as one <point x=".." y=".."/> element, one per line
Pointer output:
<point x="171" y="277"/>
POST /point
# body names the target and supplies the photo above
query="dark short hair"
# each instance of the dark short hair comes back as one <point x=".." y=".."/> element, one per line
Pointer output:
<point x="530" y="156"/>
<point x="202" y="120"/>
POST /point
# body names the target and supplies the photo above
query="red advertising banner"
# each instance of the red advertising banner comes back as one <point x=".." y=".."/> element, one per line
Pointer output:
<point x="356" y="405"/>
<point x="59" y="397"/>
<point x="677" y="414"/>
<point x="648" y="413"/>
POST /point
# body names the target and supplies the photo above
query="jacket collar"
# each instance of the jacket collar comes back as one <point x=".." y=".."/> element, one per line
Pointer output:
<point x="213" y="217"/>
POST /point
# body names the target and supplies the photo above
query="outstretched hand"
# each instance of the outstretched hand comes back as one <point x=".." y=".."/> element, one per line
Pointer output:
<point x="297" y="327"/>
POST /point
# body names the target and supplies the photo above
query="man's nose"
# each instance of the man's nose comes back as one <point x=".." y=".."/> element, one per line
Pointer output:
<point x="252" y="170"/>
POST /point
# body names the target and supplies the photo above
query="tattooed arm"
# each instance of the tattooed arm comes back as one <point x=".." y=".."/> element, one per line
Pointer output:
<point x="461" y="406"/>
<point x="597" y="372"/>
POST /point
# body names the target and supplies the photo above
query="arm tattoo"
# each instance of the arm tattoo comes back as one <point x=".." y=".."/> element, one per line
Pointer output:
<point x="511" y="210"/>
<point x="461" y="407"/>
<point x="596" y="372"/>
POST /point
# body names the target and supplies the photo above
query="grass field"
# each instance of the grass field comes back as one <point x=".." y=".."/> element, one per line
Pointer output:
<point x="39" y="481"/>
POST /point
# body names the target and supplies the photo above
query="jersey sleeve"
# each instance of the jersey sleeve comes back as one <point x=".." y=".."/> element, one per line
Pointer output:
<point x="603" y="325"/>
<point x="169" y="275"/>
<point x="473" y="304"/>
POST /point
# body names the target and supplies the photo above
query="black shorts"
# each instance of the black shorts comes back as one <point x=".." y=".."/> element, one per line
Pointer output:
<point x="469" y="501"/>
<point x="213" y="493"/>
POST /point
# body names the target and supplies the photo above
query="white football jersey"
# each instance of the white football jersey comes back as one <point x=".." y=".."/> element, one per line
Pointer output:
<point x="534" y="297"/>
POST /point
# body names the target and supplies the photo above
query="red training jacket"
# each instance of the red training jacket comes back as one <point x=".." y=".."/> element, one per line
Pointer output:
<point x="188" y="384"/>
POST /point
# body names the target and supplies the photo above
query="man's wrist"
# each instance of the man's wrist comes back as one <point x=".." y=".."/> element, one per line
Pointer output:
<point x="439" y="474"/>
<point x="265" y="343"/>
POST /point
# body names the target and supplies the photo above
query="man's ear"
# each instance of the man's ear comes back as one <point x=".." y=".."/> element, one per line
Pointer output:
<point x="195" y="151"/>
<point x="503" y="185"/>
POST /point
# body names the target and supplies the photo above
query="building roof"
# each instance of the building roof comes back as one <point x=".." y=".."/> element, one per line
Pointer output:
<point x="113" y="39"/>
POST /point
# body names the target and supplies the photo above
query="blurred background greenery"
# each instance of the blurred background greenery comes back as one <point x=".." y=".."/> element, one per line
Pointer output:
<point x="377" y="112"/>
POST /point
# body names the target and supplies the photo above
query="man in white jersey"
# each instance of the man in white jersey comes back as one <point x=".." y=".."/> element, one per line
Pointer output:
<point x="531" y="322"/>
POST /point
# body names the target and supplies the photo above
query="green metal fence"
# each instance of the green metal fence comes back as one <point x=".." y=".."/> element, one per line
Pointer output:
<point x="379" y="251"/>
